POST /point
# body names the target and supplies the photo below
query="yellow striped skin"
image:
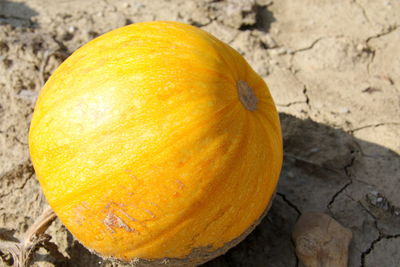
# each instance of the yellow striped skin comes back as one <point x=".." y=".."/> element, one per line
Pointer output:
<point x="143" y="148"/>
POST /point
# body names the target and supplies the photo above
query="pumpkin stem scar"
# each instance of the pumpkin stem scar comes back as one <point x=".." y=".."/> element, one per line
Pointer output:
<point x="246" y="95"/>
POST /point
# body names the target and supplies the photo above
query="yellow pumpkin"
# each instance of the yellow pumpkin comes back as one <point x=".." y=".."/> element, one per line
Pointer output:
<point x="156" y="141"/>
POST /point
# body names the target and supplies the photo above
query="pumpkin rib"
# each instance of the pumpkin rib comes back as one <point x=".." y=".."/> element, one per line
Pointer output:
<point x="104" y="136"/>
<point x="275" y="128"/>
<point x="61" y="105"/>
<point x="160" y="235"/>
<point x="202" y="56"/>
<point x="264" y="95"/>
<point x="271" y="121"/>
<point x="93" y="130"/>
<point x="90" y="189"/>
<point x="218" y="45"/>
<point x="230" y="53"/>
<point x="261" y="126"/>
<point x="244" y="138"/>
<point x="249" y="140"/>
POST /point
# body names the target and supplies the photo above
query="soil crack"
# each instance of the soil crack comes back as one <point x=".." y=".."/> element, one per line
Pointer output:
<point x="382" y="236"/>
<point x="290" y="204"/>
<point x="17" y="172"/>
<point x="306" y="96"/>
<point x="337" y="194"/>
<point x="389" y="30"/>
<point x="311" y="46"/>
<point x="350" y="181"/>
<point x="19" y="141"/>
<point x="292" y="103"/>
<point x="372" y="246"/>
<point x="372" y="51"/>
<point x="373" y="126"/>
<point x="363" y="11"/>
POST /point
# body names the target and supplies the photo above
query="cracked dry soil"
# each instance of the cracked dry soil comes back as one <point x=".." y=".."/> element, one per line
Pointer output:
<point x="333" y="68"/>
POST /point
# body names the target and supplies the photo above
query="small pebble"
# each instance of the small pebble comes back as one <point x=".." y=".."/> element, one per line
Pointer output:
<point x="344" y="110"/>
<point x="71" y="29"/>
<point x="386" y="206"/>
<point x="28" y="94"/>
<point x="268" y="41"/>
<point x="388" y="4"/>
<point x="360" y="47"/>
<point x="374" y="193"/>
<point x="276" y="31"/>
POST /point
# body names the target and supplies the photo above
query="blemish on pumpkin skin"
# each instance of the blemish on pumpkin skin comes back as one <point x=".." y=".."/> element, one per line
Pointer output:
<point x="79" y="210"/>
<point x="153" y="204"/>
<point x="130" y="174"/>
<point x="128" y="216"/>
<point x="112" y="221"/>
<point x="116" y="216"/>
<point x="79" y="218"/>
<point x="150" y="213"/>
<point x="112" y="203"/>
<point x="180" y="184"/>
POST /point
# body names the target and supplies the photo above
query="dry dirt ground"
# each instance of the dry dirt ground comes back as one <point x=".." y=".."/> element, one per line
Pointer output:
<point x="333" y="67"/>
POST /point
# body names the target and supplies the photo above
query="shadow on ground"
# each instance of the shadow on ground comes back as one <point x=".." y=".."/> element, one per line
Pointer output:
<point x="325" y="169"/>
<point x="16" y="14"/>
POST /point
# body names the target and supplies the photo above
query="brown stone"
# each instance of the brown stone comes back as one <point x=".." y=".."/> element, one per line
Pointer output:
<point x="321" y="241"/>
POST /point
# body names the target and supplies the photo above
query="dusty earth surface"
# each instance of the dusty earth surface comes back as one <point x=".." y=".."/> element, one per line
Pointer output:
<point x="333" y="68"/>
